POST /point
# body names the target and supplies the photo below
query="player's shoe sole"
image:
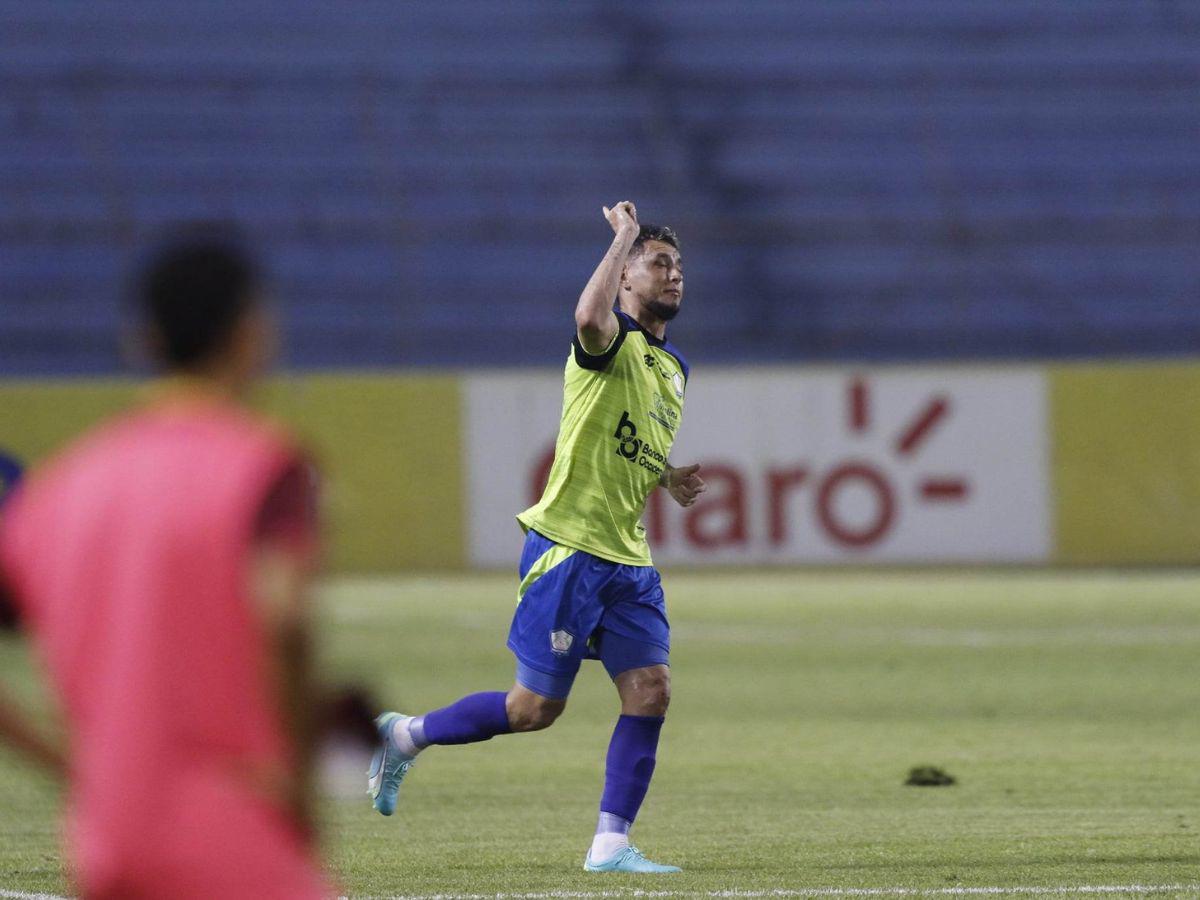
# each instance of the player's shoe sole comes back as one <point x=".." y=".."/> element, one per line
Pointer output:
<point x="629" y="859"/>
<point x="388" y="766"/>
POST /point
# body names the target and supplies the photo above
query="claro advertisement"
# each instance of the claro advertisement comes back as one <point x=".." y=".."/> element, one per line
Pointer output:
<point x="1068" y="464"/>
<point x="838" y="466"/>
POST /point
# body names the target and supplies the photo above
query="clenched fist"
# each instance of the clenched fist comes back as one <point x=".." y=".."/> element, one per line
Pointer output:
<point x="622" y="217"/>
<point x="683" y="483"/>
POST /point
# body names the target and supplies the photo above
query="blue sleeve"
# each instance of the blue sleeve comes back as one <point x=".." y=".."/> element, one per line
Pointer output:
<point x="683" y="363"/>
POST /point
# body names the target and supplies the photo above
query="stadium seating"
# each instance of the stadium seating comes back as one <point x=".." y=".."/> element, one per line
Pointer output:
<point x="856" y="180"/>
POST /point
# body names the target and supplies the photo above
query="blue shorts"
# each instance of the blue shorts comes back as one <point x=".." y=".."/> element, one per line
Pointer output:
<point x="574" y="606"/>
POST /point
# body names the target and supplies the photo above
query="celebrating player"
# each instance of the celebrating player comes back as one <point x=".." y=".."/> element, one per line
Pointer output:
<point x="588" y="587"/>
<point x="160" y="567"/>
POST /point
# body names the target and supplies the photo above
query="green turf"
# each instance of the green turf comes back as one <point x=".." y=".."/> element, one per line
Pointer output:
<point x="1066" y="705"/>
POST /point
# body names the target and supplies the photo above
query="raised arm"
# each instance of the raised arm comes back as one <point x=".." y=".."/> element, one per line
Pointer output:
<point x="595" y="322"/>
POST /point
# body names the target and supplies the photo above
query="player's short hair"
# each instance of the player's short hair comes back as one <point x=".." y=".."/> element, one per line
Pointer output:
<point x="663" y="233"/>
<point x="193" y="292"/>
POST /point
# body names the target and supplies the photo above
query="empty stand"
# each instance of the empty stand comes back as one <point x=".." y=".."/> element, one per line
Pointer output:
<point x="855" y="180"/>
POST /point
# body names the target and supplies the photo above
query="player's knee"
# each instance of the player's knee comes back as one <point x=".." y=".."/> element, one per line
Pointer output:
<point x="543" y="717"/>
<point x="536" y="717"/>
<point x="658" y="697"/>
<point x="531" y="712"/>
<point x="651" y="694"/>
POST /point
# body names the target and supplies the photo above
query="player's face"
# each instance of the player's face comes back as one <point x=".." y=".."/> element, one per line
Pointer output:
<point x="655" y="278"/>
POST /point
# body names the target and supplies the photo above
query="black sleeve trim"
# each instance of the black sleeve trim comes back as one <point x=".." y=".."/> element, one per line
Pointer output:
<point x="599" y="362"/>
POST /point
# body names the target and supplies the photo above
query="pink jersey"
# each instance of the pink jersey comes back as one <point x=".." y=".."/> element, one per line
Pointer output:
<point x="128" y="556"/>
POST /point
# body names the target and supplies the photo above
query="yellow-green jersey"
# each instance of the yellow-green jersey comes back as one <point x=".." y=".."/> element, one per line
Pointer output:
<point x="621" y="411"/>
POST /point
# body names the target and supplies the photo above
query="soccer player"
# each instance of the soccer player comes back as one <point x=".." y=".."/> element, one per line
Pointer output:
<point x="588" y="588"/>
<point x="159" y="566"/>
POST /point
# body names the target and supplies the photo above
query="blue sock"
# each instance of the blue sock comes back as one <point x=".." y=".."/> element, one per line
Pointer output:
<point x="630" y="765"/>
<point x="476" y="717"/>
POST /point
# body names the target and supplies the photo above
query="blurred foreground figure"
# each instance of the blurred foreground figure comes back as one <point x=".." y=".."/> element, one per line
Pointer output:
<point x="159" y="566"/>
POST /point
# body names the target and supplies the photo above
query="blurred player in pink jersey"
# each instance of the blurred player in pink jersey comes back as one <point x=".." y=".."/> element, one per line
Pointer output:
<point x="159" y="566"/>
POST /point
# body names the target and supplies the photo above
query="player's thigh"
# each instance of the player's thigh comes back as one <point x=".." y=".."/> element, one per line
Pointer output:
<point x="558" y="609"/>
<point x="634" y="630"/>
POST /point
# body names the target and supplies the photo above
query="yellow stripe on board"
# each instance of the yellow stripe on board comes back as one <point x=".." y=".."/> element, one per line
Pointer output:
<point x="39" y="417"/>
<point x="1127" y="462"/>
<point x="391" y="447"/>
<point x="387" y="445"/>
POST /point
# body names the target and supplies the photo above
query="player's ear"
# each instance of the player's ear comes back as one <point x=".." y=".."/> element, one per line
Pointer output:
<point x="256" y="340"/>
<point x="143" y="345"/>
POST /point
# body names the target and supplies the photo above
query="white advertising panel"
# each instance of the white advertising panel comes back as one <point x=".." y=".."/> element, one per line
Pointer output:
<point x="853" y="466"/>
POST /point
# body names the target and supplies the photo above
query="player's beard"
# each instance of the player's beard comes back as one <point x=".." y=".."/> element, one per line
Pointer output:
<point x="662" y="310"/>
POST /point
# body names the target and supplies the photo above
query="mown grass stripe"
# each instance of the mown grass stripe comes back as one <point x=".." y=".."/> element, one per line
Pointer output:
<point x="1064" y="890"/>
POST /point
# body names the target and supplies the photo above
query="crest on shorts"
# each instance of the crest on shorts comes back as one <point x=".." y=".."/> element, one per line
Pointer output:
<point x="561" y="641"/>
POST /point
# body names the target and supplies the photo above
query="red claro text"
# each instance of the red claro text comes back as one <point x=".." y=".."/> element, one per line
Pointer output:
<point x="721" y="517"/>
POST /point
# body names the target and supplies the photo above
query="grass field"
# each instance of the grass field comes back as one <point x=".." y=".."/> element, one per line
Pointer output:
<point x="1067" y="705"/>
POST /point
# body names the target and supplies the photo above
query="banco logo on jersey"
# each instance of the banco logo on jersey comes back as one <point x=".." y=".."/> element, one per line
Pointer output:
<point x="634" y="448"/>
<point x="626" y="433"/>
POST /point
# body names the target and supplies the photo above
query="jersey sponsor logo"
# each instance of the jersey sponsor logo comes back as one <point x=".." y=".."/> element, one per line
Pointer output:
<point x="677" y="383"/>
<point x="664" y="414"/>
<point x="560" y="642"/>
<point x="636" y="450"/>
<point x="627" y="433"/>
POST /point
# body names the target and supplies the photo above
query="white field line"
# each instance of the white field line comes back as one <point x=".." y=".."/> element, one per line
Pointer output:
<point x="23" y="895"/>
<point x="1089" y="890"/>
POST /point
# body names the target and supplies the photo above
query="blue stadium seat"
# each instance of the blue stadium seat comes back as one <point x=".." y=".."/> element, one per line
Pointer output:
<point x="851" y="180"/>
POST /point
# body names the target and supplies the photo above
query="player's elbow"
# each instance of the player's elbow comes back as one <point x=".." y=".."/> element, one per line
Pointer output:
<point x="595" y="337"/>
<point x="591" y="322"/>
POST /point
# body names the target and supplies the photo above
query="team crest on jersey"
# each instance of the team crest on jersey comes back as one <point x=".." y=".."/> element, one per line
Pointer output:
<point x="561" y="641"/>
<point x="677" y="383"/>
